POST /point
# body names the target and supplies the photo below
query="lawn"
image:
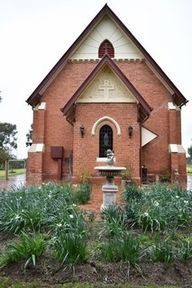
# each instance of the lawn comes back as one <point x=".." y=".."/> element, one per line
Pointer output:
<point x="45" y="236"/>
<point x="189" y="169"/>
<point x="7" y="282"/>
<point x="13" y="172"/>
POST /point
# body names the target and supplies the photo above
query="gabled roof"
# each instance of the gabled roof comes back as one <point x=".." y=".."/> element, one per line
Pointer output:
<point x="107" y="61"/>
<point x="33" y="100"/>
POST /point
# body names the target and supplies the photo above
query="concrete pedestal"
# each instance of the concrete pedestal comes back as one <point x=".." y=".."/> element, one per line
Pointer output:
<point x="109" y="195"/>
<point x="109" y="189"/>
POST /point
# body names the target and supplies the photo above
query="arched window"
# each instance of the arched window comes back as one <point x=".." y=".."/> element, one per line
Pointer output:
<point x="106" y="48"/>
<point x="105" y="140"/>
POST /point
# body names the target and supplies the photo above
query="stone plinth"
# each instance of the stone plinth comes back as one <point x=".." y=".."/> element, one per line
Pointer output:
<point x="109" y="195"/>
<point x="109" y="189"/>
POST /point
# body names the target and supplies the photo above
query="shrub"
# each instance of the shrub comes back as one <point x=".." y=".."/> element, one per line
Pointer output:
<point x="185" y="249"/>
<point x="70" y="248"/>
<point x="82" y="194"/>
<point x="29" y="248"/>
<point x="85" y="176"/>
<point x="33" y="208"/>
<point x="160" y="207"/>
<point x="164" y="251"/>
<point x="132" y="192"/>
<point x="114" y="221"/>
<point x="68" y="229"/>
<point x="122" y="248"/>
<point x="17" y="214"/>
<point x="68" y="220"/>
<point x="151" y="221"/>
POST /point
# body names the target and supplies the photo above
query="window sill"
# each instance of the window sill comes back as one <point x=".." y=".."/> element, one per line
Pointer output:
<point x="103" y="159"/>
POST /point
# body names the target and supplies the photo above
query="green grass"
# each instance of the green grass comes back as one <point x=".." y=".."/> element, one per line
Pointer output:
<point x="13" y="172"/>
<point x="7" y="282"/>
<point x="189" y="169"/>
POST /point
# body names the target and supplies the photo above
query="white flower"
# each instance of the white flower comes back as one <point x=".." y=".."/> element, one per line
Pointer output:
<point x="146" y="214"/>
<point x="74" y="185"/>
<point x="156" y="203"/>
<point x="20" y="197"/>
<point x="17" y="216"/>
<point x="74" y="205"/>
<point x="49" y="196"/>
<point x="71" y="216"/>
<point x="177" y="196"/>
<point x="59" y="225"/>
<point x="186" y="202"/>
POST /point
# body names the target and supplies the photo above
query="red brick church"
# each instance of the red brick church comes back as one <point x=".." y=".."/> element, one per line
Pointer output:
<point x="106" y="92"/>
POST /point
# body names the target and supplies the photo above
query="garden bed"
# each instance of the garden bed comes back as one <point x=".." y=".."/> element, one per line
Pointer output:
<point x="110" y="275"/>
<point x="45" y="237"/>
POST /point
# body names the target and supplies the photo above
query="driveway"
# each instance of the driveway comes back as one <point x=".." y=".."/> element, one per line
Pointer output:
<point x="20" y="180"/>
<point x="14" y="181"/>
<point x="189" y="182"/>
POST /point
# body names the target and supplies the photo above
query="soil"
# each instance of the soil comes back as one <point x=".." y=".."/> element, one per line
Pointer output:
<point x="47" y="271"/>
<point x="143" y="274"/>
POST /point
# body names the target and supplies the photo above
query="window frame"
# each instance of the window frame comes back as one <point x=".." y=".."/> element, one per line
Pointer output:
<point x="106" y="48"/>
<point x="102" y="147"/>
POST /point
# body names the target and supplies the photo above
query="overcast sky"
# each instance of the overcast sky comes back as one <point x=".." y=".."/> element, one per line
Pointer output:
<point x="34" y="34"/>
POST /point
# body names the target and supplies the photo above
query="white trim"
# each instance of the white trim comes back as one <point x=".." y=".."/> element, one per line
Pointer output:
<point x="181" y="149"/>
<point x="172" y="106"/>
<point x="107" y="28"/>
<point x="173" y="148"/>
<point x="39" y="147"/>
<point x="93" y="130"/>
<point x="176" y="148"/>
<point x="106" y="88"/>
<point x="41" y="106"/>
<point x="103" y="159"/>
<point x="146" y="136"/>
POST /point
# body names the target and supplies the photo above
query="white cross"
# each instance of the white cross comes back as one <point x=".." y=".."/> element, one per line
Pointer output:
<point x="106" y="86"/>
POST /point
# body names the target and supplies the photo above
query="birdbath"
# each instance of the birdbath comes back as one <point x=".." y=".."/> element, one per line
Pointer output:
<point x="109" y="189"/>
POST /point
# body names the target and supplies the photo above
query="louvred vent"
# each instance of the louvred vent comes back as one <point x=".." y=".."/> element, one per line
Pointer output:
<point x="106" y="48"/>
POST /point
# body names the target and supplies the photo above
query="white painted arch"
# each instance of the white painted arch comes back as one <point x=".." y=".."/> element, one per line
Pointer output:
<point x="105" y="118"/>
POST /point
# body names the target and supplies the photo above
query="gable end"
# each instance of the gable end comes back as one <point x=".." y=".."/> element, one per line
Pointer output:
<point x="178" y="98"/>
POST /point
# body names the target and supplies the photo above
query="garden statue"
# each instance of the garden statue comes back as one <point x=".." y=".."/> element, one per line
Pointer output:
<point x="110" y="157"/>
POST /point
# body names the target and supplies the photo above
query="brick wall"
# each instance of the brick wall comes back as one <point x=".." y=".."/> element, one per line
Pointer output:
<point x="58" y="132"/>
<point x="38" y="135"/>
<point x="34" y="173"/>
<point x="86" y="149"/>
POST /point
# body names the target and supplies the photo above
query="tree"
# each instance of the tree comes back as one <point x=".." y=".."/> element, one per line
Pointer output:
<point x="190" y="152"/>
<point x="29" y="136"/>
<point x="8" y="140"/>
<point x="4" y="155"/>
